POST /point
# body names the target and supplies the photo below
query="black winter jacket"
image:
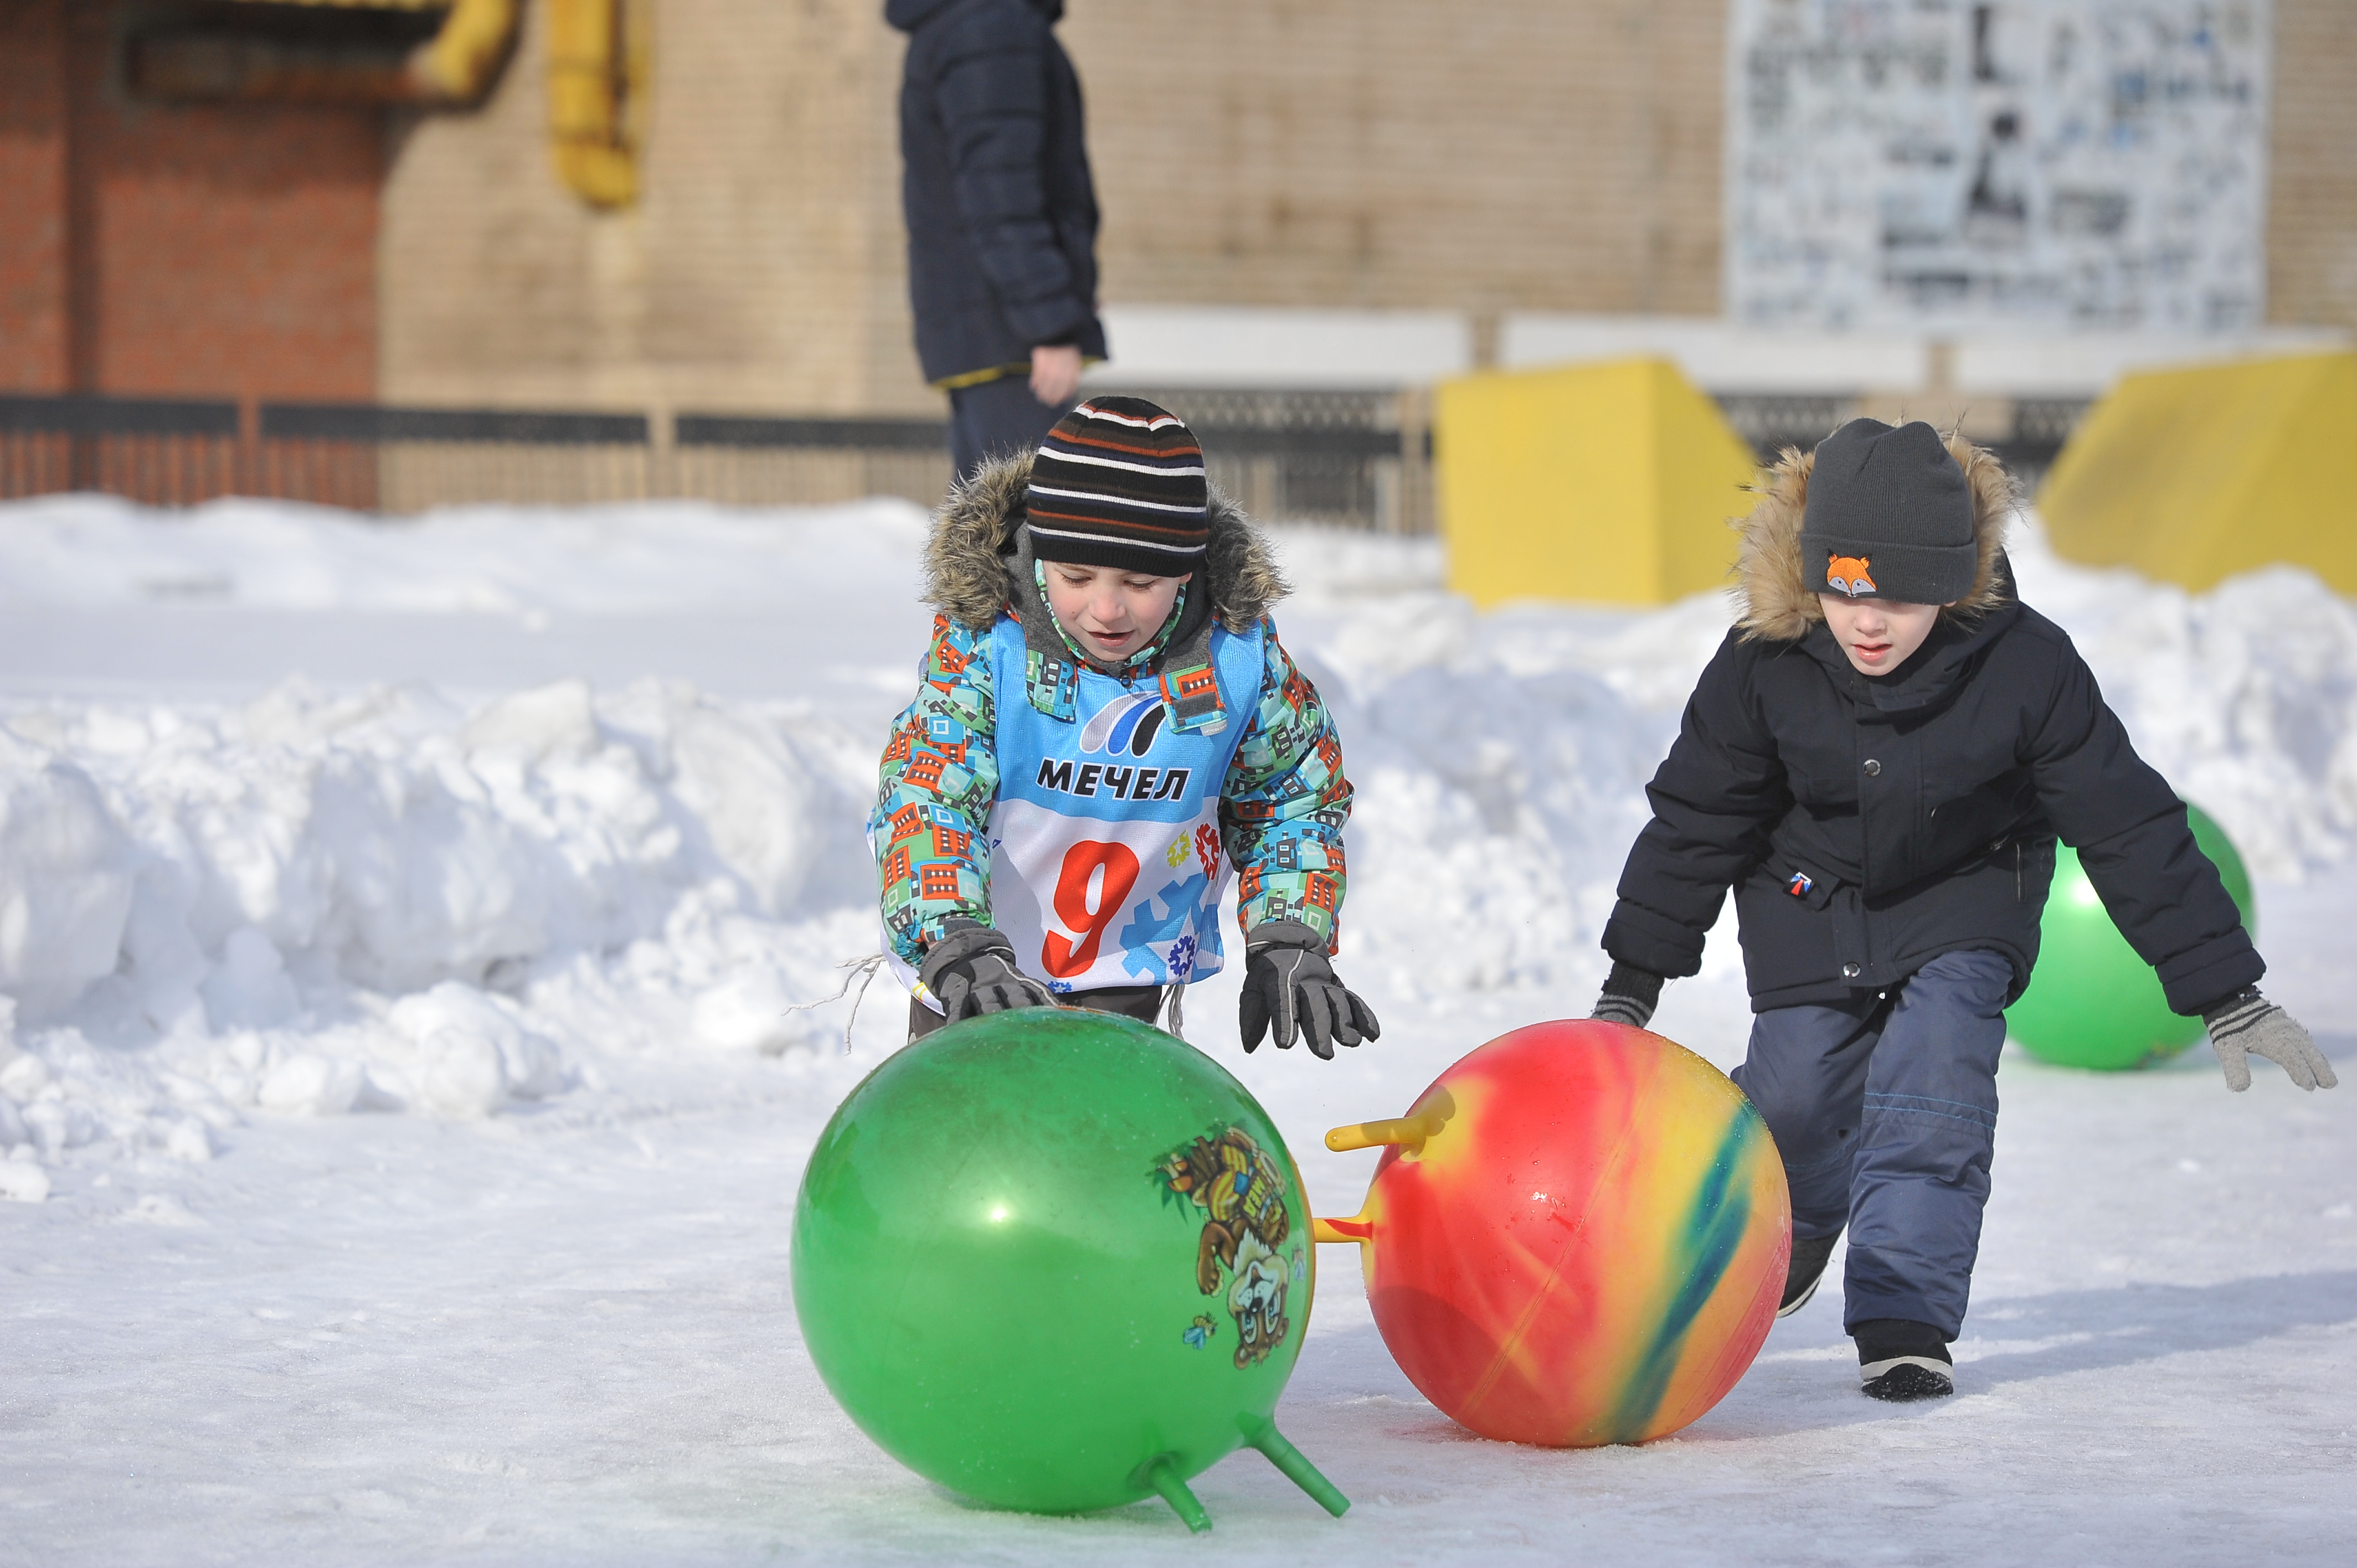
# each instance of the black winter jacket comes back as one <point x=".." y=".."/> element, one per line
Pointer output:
<point x="1002" y="217"/>
<point x="1868" y="825"/>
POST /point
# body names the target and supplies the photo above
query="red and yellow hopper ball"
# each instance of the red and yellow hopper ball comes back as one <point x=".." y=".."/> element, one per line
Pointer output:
<point x="1577" y="1236"/>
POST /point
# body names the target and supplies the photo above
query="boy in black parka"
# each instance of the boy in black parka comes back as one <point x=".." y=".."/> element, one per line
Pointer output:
<point x="1878" y="760"/>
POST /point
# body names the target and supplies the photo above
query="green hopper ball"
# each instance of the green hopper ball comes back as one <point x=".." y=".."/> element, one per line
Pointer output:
<point x="1057" y="1261"/>
<point x="2092" y="1001"/>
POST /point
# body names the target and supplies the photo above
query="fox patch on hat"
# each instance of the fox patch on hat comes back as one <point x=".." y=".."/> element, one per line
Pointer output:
<point x="1889" y="516"/>
<point x="1848" y="574"/>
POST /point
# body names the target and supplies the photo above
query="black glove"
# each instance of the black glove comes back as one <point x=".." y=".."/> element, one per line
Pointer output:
<point x="1288" y="982"/>
<point x="1631" y="995"/>
<point x="970" y="970"/>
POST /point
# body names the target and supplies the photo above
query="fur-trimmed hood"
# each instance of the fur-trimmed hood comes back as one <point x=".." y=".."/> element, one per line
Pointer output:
<point x="1777" y="604"/>
<point x="978" y="560"/>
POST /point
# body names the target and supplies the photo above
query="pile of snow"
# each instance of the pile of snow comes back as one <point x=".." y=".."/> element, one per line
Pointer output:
<point x="320" y="904"/>
<point x="323" y="902"/>
<point x="628" y="558"/>
<point x="2244" y="697"/>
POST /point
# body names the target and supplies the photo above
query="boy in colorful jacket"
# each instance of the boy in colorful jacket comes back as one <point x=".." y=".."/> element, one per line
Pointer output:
<point x="1107" y="725"/>
<point x="1879" y="761"/>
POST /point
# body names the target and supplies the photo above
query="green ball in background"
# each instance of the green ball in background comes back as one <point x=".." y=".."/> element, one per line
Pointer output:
<point x="1056" y="1260"/>
<point x="2092" y="1001"/>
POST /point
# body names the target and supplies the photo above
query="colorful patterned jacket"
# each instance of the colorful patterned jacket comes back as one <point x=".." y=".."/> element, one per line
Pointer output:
<point x="1280" y="808"/>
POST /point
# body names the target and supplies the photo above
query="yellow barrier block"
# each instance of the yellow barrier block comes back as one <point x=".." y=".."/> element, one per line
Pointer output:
<point x="1609" y="482"/>
<point x="2192" y="476"/>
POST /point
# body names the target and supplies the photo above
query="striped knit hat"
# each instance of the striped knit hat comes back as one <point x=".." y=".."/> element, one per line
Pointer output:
<point x="1119" y="482"/>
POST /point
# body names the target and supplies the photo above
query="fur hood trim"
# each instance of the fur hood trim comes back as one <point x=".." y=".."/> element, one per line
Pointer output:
<point x="1777" y="605"/>
<point x="969" y="559"/>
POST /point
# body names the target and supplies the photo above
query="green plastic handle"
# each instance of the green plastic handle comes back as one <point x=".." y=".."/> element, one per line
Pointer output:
<point x="1163" y="1476"/>
<point x="1264" y="1436"/>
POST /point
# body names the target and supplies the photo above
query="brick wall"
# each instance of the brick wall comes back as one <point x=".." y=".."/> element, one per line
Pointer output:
<point x="2312" y="173"/>
<point x="762" y="268"/>
<point x="153" y="249"/>
<point x="33" y="346"/>
<point x="1522" y="154"/>
<point x="1516" y="154"/>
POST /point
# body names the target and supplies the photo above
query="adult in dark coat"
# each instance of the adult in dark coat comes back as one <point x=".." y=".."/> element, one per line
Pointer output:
<point x="1886" y="811"/>
<point x="1002" y="217"/>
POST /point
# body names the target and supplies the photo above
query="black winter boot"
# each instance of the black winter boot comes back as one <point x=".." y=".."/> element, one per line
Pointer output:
<point x="1805" y="1271"/>
<point x="1902" y="1362"/>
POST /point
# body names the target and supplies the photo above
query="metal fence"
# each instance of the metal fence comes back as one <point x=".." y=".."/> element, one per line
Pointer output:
<point x="168" y="451"/>
<point x="409" y="459"/>
<point x="765" y="460"/>
<point x="1772" y="421"/>
<point x="1348" y="460"/>
<point x="361" y="455"/>
<point x="2040" y="426"/>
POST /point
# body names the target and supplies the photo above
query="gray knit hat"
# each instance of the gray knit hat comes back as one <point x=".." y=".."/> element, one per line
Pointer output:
<point x="1889" y="516"/>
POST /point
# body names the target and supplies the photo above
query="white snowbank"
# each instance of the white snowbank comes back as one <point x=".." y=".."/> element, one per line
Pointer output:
<point x="622" y="559"/>
<point x="331" y="901"/>
<point x="315" y="905"/>
<point x="2245" y="696"/>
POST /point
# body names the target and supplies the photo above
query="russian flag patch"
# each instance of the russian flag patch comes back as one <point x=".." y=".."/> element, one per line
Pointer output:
<point x="1799" y="885"/>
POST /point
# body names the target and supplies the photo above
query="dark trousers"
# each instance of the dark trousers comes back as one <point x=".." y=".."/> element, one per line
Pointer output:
<point x="1143" y="1002"/>
<point x="1885" y="1112"/>
<point x="997" y="419"/>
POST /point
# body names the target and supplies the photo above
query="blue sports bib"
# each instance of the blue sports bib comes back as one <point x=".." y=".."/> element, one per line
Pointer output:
<point x="1106" y="867"/>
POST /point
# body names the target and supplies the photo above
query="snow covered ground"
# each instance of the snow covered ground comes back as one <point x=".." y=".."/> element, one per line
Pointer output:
<point x="397" y="925"/>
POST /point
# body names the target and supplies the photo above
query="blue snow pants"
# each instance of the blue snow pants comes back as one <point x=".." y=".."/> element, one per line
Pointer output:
<point x="1885" y="1112"/>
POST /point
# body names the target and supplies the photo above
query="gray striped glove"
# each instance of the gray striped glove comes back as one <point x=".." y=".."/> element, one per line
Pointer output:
<point x="2246" y="1024"/>
<point x="1631" y="995"/>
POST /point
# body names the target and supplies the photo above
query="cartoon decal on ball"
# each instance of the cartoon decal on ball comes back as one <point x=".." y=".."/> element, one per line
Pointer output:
<point x="1240" y="1193"/>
